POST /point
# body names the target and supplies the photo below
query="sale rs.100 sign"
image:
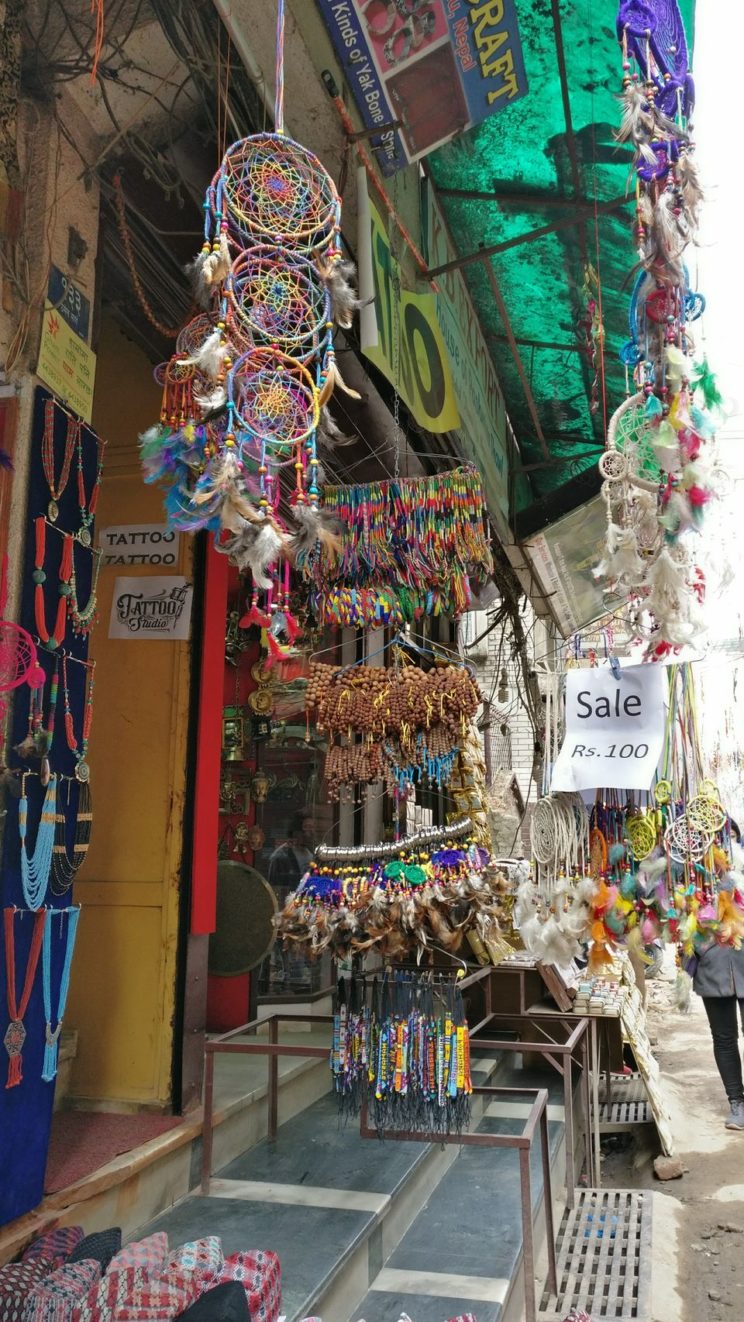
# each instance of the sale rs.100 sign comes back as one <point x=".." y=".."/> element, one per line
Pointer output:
<point x="614" y="729"/>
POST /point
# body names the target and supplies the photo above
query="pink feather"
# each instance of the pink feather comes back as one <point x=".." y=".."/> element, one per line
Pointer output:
<point x="698" y="496"/>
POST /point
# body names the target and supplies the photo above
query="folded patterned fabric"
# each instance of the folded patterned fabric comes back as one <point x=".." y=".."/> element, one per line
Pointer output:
<point x="151" y="1254"/>
<point x="131" y="1295"/>
<point x="102" y="1245"/>
<point x="260" y="1275"/>
<point x="54" y="1245"/>
<point x="54" y="1298"/>
<point x="222" y="1303"/>
<point x="203" y="1256"/>
<point x="17" y="1280"/>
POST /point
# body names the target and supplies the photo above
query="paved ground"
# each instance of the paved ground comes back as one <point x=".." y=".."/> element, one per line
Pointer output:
<point x="699" y="1233"/>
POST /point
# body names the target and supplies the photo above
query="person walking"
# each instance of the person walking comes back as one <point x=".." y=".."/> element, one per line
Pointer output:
<point x="719" y="980"/>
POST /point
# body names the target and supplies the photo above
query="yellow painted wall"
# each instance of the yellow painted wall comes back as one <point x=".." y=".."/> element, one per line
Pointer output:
<point x="122" y="993"/>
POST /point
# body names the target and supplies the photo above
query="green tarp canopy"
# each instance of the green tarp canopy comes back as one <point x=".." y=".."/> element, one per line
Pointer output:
<point x="549" y="166"/>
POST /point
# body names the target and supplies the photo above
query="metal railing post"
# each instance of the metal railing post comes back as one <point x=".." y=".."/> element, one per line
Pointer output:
<point x="528" y="1258"/>
<point x="548" y="1195"/>
<point x="273" y="1089"/>
<point x="207" y="1128"/>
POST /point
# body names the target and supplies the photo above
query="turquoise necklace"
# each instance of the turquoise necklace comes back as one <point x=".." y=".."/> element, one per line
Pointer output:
<point x="36" y="869"/>
<point x="51" y="1049"/>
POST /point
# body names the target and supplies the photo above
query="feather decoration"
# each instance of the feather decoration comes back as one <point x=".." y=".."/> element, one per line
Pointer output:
<point x="704" y="380"/>
<point x="195" y="273"/>
<point x="221" y="474"/>
<point x="335" y="380"/>
<point x="688" y="178"/>
<point x="636" y="124"/>
<point x="209" y="359"/>
<point x="266" y="549"/>
<point x="329" y="434"/>
<point x="677" y="516"/>
<point x="678" y="367"/>
<point x="314" y="526"/>
<point x="213" y="403"/>
<point x="217" y="263"/>
<point x="624" y="562"/>
<point x="337" y="275"/>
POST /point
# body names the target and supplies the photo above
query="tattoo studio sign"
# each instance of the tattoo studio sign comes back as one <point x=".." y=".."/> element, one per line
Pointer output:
<point x="149" y="608"/>
<point x="139" y="544"/>
<point x="614" y="729"/>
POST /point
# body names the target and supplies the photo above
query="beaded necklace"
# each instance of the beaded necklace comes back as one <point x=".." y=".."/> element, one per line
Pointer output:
<point x="36" y="869"/>
<point x="79" y="749"/>
<point x="83" y="619"/>
<point x="64" y="867"/>
<point x="54" y="640"/>
<point x="72" y="436"/>
<point x="87" y="505"/>
<point x="15" y="1034"/>
<point x="51" y="1047"/>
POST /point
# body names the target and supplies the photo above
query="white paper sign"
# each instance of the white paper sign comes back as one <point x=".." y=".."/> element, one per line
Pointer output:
<point x="139" y="544"/>
<point x="614" y="729"/>
<point x="151" y="608"/>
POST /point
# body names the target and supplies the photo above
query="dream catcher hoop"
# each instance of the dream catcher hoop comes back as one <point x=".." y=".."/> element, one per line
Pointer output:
<point x="279" y="304"/>
<point x="271" y="188"/>
<point x="274" y="398"/>
<point x="630" y="434"/>
<point x="685" y="841"/>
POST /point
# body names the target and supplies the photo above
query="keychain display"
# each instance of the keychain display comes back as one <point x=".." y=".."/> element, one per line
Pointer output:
<point x="402" y="1041"/>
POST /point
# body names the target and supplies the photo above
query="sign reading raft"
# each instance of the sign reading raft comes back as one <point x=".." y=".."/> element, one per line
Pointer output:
<point x="614" y="729"/>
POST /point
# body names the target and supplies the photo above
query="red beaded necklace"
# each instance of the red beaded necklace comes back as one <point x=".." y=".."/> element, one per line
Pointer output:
<point x="15" y="1034"/>
<point x="55" y="640"/>
<point x="72" y="438"/>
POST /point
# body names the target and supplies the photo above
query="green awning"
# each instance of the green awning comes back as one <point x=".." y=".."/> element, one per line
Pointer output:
<point x="551" y="160"/>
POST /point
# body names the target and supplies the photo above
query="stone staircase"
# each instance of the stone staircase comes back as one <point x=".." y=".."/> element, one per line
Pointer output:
<point x="366" y="1229"/>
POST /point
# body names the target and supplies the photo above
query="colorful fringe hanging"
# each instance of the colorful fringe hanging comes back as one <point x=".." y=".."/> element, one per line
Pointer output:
<point x="404" y="1042"/>
<point x="408" y="548"/>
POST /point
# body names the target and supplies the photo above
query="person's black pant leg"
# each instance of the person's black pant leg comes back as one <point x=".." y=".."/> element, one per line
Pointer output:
<point x="724" y="1026"/>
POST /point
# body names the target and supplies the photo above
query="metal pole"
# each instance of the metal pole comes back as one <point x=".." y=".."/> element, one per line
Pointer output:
<point x="548" y="1195"/>
<point x="273" y="1089"/>
<point x="595" y="1103"/>
<point x="528" y="1259"/>
<point x="569" y="1117"/>
<point x="586" y="1092"/>
<point x="206" y="1167"/>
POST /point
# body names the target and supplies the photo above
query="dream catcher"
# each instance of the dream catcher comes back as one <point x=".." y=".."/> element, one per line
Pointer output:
<point x="657" y="469"/>
<point x="19" y="663"/>
<point x="245" y="395"/>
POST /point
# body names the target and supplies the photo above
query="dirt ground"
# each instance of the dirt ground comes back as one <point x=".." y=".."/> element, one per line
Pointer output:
<point x="698" y="1246"/>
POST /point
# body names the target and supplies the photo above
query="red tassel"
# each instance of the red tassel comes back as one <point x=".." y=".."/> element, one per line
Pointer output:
<point x="15" y="1071"/>
<point x="275" y="650"/>
<point x="291" y="625"/>
<point x="698" y="496"/>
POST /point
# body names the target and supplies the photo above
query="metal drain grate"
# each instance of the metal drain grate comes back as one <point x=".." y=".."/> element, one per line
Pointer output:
<point x="624" y="1114"/>
<point x="627" y="1089"/>
<point x="604" y="1257"/>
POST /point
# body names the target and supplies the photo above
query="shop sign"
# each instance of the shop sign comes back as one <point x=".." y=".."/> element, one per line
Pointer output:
<point x="139" y="544"/>
<point x="484" y="423"/>
<point x="70" y="302"/>
<point x="151" y="608"/>
<point x="564" y="558"/>
<point x="66" y="364"/>
<point x="423" y="70"/>
<point x="615" y="723"/>
<point x="403" y="338"/>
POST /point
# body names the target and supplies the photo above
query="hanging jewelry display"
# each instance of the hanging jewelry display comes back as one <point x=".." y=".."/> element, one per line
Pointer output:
<point x="51" y="641"/>
<point x="87" y="504"/>
<point x="411" y="723"/>
<point x="658" y="468"/>
<point x="15" y="1034"/>
<point x="403" y="1043"/>
<point x="84" y="617"/>
<point x="246" y="393"/>
<point x="57" y="486"/>
<point x="408" y="548"/>
<point x="35" y="870"/>
<point x="79" y="748"/>
<point x="425" y="891"/>
<point x="65" y="865"/>
<point x="51" y="1046"/>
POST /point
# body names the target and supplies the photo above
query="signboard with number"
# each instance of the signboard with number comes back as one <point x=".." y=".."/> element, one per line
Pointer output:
<point x="70" y="302"/>
<point x="614" y="729"/>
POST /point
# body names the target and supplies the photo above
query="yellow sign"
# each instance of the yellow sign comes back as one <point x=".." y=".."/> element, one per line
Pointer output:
<point x="408" y="347"/>
<point x="66" y="364"/>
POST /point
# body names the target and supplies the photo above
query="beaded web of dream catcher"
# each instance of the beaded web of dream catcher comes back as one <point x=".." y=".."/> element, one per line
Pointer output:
<point x="278" y="305"/>
<point x="274" y="398"/>
<point x="272" y="188"/>
<point x="630" y="434"/>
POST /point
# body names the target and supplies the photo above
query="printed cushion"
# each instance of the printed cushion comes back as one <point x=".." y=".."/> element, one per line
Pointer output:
<point x="202" y="1256"/>
<point x="17" y="1280"/>
<point x="55" y="1297"/>
<point x="55" y="1245"/>
<point x="260" y="1275"/>
<point x="223" y="1303"/>
<point x="150" y="1254"/>
<point x="102" y="1245"/>
<point x="159" y="1300"/>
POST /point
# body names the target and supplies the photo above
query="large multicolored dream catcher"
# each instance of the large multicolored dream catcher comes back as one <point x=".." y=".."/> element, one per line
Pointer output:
<point x="246" y="392"/>
<point x="658" y="470"/>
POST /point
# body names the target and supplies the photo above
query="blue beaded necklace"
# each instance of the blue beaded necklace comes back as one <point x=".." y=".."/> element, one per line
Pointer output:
<point x="36" y="869"/>
<point x="51" y="1048"/>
